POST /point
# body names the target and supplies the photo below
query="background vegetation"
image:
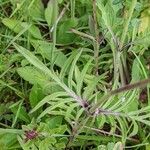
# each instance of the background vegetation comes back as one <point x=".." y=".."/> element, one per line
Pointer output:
<point x="74" y="74"/>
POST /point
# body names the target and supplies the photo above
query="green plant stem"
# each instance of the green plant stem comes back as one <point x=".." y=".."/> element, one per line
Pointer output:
<point x="72" y="2"/>
<point x="120" y="90"/>
<point x="61" y="15"/>
<point x="84" y="35"/>
<point x="38" y="64"/>
<point x="123" y="69"/>
<point x="77" y="127"/>
<point x="96" y="43"/>
<point x="114" y="44"/>
<point x="145" y="75"/>
<point x="126" y="24"/>
<point x="54" y="31"/>
<point x="54" y="28"/>
<point x="54" y="44"/>
<point x="110" y="134"/>
<point x="116" y="59"/>
<point x="118" y="68"/>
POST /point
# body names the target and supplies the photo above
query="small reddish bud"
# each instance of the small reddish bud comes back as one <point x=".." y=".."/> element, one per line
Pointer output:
<point x="31" y="134"/>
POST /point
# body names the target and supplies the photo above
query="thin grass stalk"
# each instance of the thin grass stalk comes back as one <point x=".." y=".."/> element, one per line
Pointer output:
<point x="117" y="91"/>
<point x="123" y="37"/>
<point x="96" y="43"/>
<point x="54" y="31"/>
<point x="110" y="134"/>
<point x="126" y="24"/>
<point x="72" y="3"/>
<point x="84" y="35"/>
<point x="145" y="75"/>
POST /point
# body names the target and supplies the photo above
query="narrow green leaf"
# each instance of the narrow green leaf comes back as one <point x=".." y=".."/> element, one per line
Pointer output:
<point x="82" y="76"/>
<point x="22" y="112"/>
<point x="135" y="129"/>
<point x="70" y="77"/>
<point x="47" y="99"/>
<point x="51" y="12"/>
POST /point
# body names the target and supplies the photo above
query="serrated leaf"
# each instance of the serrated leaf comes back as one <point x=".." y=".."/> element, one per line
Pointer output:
<point x="34" y="76"/>
<point x="39" y="64"/>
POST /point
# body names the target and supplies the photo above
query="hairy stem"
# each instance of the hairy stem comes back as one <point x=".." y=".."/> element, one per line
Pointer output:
<point x="54" y="31"/>
<point x="117" y="91"/>
<point x="122" y="41"/>
<point x="96" y="43"/>
<point x="84" y="35"/>
<point x="110" y="134"/>
<point x="126" y="24"/>
<point x="72" y="2"/>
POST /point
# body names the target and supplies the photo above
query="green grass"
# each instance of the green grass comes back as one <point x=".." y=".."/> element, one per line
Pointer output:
<point x="74" y="74"/>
